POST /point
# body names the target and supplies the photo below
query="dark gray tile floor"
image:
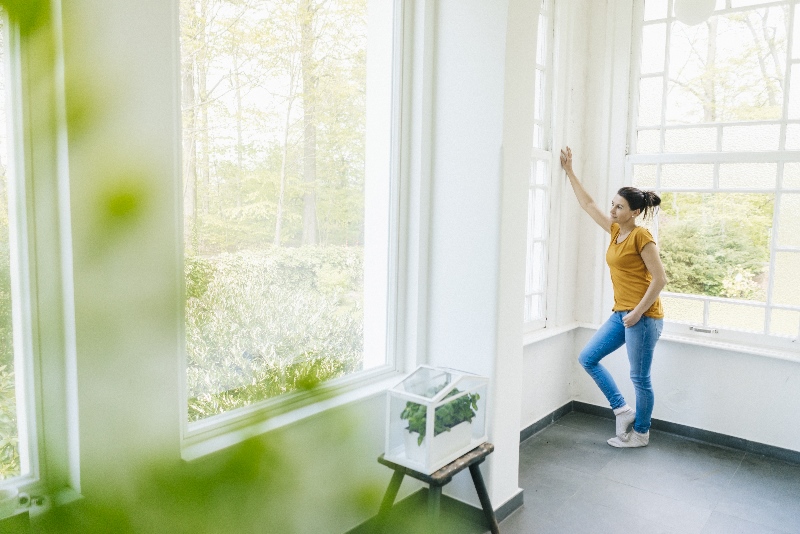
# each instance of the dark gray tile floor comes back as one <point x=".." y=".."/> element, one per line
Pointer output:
<point x="576" y="484"/>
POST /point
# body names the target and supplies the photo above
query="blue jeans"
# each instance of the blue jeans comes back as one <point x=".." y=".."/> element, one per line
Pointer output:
<point x="640" y="340"/>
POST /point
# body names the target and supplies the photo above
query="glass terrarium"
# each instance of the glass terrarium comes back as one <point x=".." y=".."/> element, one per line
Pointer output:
<point x="434" y="416"/>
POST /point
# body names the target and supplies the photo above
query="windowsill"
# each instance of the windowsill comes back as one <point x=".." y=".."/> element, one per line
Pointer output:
<point x="755" y="350"/>
<point x="204" y="443"/>
<point x="35" y="508"/>
<point x="541" y="334"/>
<point x="792" y="356"/>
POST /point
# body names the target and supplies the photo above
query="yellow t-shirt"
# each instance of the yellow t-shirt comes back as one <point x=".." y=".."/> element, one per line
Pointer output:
<point x="629" y="275"/>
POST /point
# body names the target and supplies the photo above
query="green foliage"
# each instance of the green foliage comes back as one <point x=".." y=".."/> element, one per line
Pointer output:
<point x="199" y="273"/>
<point x="446" y="416"/>
<point x="716" y="244"/>
<point x="260" y="324"/>
<point x="259" y="142"/>
<point x="30" y="15"/>
<point x="6" y="356"/>
<point x="266" y="484"/>
<point x="244" y="120"/>
<point x="9" y="449"/>
<point x="6" y="335"/>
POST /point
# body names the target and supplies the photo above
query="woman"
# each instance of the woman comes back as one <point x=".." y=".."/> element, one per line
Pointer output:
<point x="637" y="318"/>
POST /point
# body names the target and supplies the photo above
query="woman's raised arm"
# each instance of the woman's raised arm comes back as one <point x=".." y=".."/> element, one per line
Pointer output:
<point x="584" y="199"/>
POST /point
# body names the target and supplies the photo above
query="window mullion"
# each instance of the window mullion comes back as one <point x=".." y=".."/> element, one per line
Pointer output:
<point x="772" y="252"/>
<point x="665" y="82"/>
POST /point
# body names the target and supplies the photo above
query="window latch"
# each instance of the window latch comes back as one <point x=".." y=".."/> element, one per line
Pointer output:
<point x="704" y="330"/>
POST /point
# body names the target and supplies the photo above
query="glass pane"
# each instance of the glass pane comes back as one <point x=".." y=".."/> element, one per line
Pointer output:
<point x="648" y="141"/>
<point x="541" y="46"/>
<point x="535" y="266"/>
<point x="751" y="138"/>
<point x="687" y="100"/>
<point x="539" y="172"/>
<point x="687" y="176"/>
<point x="791" y="175"/>
<point x="538" y="137"/>
<point x="644" y="176"/>
<point x="690" y="140"/>
<point x="538" y="108"/>
<point x="655" y="9"/>
<point x="654" y="38"/>
<point x="786" y="289"/>
<point x="274" y="210"/>
<point x="537" y="213"/>
<point x="796" y="35"/>
<point x="716" y="244"/>
<point x="785" y="323"/>
<point x="683" y="310"/>
<point x="736" y="316"/>
<point x="9" y="451"/>
<point x="794" y="92"/>
<point x="729" y="69"/>
<point x="650" y="91"/>
<point x="426" y="382"/>
<point x="789" y="221"/>
<point x="533" y="307"/>
<point x="793" y="136"/>
<point x="748" y="175"/>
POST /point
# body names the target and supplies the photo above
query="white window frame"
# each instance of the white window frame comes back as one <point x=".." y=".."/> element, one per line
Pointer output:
<point x="719" y="156"/>
<point x="41" y="244"/>
<point x="541" y="155"/>
<point x="382" y="266"/>
<point x="21" y="293"/>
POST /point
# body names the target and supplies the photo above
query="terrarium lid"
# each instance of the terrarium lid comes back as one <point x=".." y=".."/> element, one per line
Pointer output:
<point x="436" y="382"/>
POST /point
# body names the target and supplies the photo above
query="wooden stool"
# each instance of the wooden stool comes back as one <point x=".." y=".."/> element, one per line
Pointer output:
<point x="436" y="480"/>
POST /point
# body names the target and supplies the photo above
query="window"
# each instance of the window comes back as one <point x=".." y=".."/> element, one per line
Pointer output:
<point x="288" y="172"/>
<point x="20" y="355"/>
<point x="10" y="465"/>
<point x="539" y="185"/>
<point x="716" y="129"/>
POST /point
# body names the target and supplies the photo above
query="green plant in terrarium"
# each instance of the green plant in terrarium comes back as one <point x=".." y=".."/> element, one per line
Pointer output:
<point x="446" y="416"/>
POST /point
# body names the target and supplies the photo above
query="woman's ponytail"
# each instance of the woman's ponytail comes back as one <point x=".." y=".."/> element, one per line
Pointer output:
<point x="652" y="202"/>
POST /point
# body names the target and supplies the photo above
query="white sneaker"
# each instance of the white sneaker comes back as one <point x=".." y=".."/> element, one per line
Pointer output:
<point x="630" y="439"/>
<point x="625" y="419"/>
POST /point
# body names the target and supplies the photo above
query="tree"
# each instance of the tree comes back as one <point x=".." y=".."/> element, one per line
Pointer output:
<point x="728" y="76"/>
<point x="306" y="15"/>
<point x="274" y="122"/>
<point x="274" y="127"/>
<point x="717" y="244"/>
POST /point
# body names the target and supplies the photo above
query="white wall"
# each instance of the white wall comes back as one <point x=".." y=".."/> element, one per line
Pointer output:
<point x="482" y="135"/>
<point x="548" y="376"/>
<point x="466" y="170"/>
<point x="123" y="161"/>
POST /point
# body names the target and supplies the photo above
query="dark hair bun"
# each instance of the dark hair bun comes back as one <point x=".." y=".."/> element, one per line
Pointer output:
<point x="646" y="201"/>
